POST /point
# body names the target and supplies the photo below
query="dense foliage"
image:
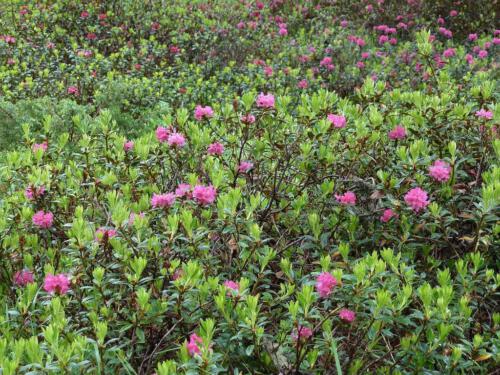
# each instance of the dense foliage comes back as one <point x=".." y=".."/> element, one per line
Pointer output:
<point x="249" y="187"/>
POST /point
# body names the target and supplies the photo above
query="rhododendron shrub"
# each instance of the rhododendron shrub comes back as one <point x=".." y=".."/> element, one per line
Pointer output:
<point x="263" y="187"/>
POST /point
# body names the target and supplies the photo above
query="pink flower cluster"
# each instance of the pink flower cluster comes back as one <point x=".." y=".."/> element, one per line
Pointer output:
<point x="43" y="219"/>
<point x="23" y="278"/>
<point x="204" y="195"/>
<point x="301" y="333"/>
<point x="33" y="192"/>
<point x="325" y="283"/>
<point x="103" y="234"/>
<point x="203" y="112"/>
<point x="338" y="121"/>
<point x="440" y="171"/>
<point x="417" y="199"/>
<point x="265" y="100"/>
<point x="387" y="215"/>
<point x="40" y="146"/>
<point x="397" y="133"/>
<point x="245" y="166"/>
<point x="347" y="315"/>
<point x="215" y="149"/>
<point x="193" y="344"/>
<point x="233" y="286"/>
<point x="347" y="199"/>
<point x="163" y="200"/>
<point x="56" y="284"/>
<point x="487" y="115"/>
<point x="168" y="135"/>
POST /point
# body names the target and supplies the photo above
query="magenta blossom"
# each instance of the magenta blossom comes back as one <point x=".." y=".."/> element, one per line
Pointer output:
<point x="417" y="199"/>
<point x="487" y="115"/>
<point x="43" y="219"/>
<point x="176" y="140"/>
<point x="347" y="315"/>
<point x="56" y="284"/>
<point x="204" y="195"/>
<point x="163" y="200"/>
<point x="129" y="145"/>
<point x="193" y="344"/>
<point x="103" y="234"/>
<point x="40" y="146"/>
<point x="338" y="121"/>
<point x="131" y="218"/>
<point x="301" y="333"/>
<point x="397" y="133"/>
<point x="215" y="149"/>
<point x="248" y="119"/>
<point x="33" y="192"/>
<point x="325" y="283"/>
<point x="162" y="133"/>
<point x="245" y="166"/>
<point x="232" y="285"/>
<point x="265" y="100"/>
<point x="183" y="190"/>
<point x="387" y="215"/>
<point x="23" y="278"/>
<point x="203" y="112"/>
<point x="347" y="199"/>
<point x="440" y="171"/>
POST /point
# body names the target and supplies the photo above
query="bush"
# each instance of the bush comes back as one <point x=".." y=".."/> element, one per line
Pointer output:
<point x="267" y="188"/>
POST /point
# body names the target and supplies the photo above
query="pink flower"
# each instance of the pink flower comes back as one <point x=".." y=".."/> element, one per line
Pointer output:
<point x="338" y="121"/>
<point x="302" y="84"/>
<point x="360" y="64"/>
<point x="155" y="26"/>
<point x="365" y="55"/>
<point x="347" y="315"/>
<point x="204" y="195"/>
<point x="176" y="140"/>
<point x="91" y="36"/>
<point x="162" y="133"/>
<point x="387" y="215"/>
<point x="325" y="283"/>
<point x="23" y="277"/>
<point x="397" y="133"/>
<point x="440" y="171"/>
<point x="383" y="39"/>
<point x="265" y="101"/>
<point x="417" y="199"/>
<point x="472" y="37"/>
<point x="203" y="112"/>
<point x="245" y="166"/>
<point x="33" y="192"/>
<point x="232" y="285"/>
<point x="268" y="71"/>
<point x="163" y="200"/>
<point x="347" y="199"/>
<point x="482" y="54"/>
<point x="183" y="190"/>
<point x="453" y="13"/>
<point x="84" y="14"/>
<point x="283" y="32"/>
<point x="56" y="284"/>
<point x="129" y="145"/>
<point x="248" y="119"/>
<point x="450" y="52"/>
<point x="487" y="115"/>
<point x="192" y="345"/>
<point x="40" y="146"/>
<point x="215" y="149"/>
<point x="469" y="58"/>
<point x="103" y="234"/>
<point x="301" y="333"/>
<point x="344" y="23"/>
<point x="43" y="219"/>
